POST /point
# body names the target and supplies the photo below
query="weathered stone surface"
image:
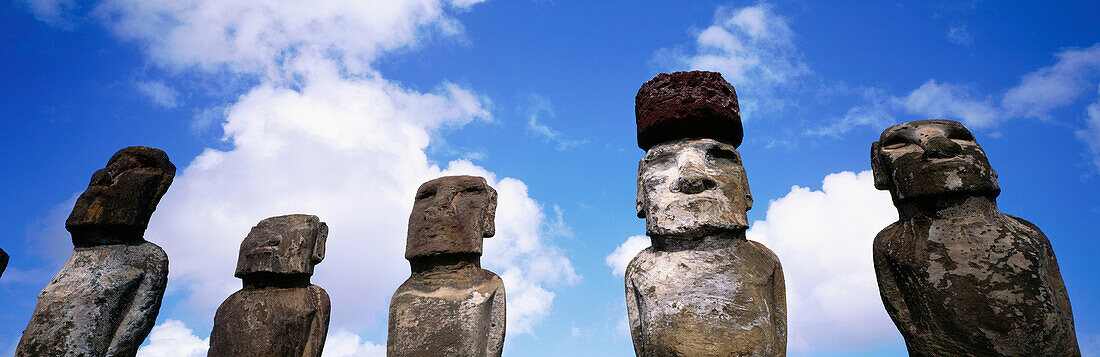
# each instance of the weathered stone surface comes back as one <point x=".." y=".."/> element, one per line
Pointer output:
<point x="449" y="306"/>
<point x="957" y="276"/>
<point x="107" y="296"/>
<point x="695" y="104"/>
<point x="3" y="262"/>
<point x="278" y="312"/>
<point x="702" y="289"/>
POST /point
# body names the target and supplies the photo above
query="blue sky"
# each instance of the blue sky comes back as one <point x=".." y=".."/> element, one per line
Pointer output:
<point x="343" y="108"/>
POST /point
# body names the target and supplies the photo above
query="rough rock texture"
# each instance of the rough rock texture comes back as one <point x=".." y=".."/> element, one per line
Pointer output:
<point x="702" y="289"/>
<point x="107" y="296"/>
<point x="278" y="312"/>
<point x="3" y="262"/>
<point x="958" y="277"/>
<point x="687" y="105"/>
<point x="449" y="306"/>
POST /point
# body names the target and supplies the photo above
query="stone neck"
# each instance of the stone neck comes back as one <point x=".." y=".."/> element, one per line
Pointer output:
<point x="264" y="280"/>
<point x="91" y="237"/>
<point x="947" y="207"/>
<point x="444" y="264"/>
<point x="703" y="241"/>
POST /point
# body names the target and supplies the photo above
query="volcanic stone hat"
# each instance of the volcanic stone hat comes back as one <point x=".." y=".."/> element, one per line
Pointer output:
<point x="696" y="104"/>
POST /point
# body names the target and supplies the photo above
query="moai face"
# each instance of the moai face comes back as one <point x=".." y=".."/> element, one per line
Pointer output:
<point x="290" y="244"/>
<point x="929" y="158"/>
<point x="451" y="215"/>
<point x="691" y="187"/>
<point x="121" y="197"/>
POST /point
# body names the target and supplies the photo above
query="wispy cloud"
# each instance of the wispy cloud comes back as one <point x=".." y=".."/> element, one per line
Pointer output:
<point x="1055" y="86"/>
<point x="946" y="100"/>
<point x="1091" y="133"/>
<point x="57" y="13"/>
<point x="540" y="107"/>
<point x="959" y="35"/>
<point x="159" y="93"/>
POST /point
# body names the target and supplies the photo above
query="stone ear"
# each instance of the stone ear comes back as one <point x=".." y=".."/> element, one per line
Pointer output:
<point x="882" y="180"/>
<point x="639" y="201"/>
<point x="745" y="183"/>
<point x="488" y="224"/>
<point x="319" y="244"/>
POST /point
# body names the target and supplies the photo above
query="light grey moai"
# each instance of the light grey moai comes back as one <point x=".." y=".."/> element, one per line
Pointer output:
<point x="957" y="276"/>
<point x="449" y="306"/>
<point x="278" y="312"/>
<point x="107" y="296"/>
<point x="701" y="289"/>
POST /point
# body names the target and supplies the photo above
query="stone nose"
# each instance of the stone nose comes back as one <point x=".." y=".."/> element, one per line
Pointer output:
<point x="444" y="199"/>
<point x="101" y="177"/>
<point x="693" y="179"/>
<point x="941" y="148"/>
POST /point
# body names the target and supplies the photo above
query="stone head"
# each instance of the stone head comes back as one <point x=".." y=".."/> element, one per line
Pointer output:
<point x="926" y="159"/>
<point x="121" y="197"/>
<point x="285" y="245"/>
<point x="691" y="180"/>
<point x="450" y="215"/>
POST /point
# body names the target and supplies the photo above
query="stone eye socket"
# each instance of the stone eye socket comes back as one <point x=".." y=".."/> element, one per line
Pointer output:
<point x="722" y="154"/>
<point x="474" y="189"/>
<point x="894" y="142"/>
<point x="425" y="194"/>
<point x="960" y="135"/>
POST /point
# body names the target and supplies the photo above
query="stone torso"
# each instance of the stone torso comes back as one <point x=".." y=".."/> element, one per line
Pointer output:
<point x="979" y="285"/>
<point x="448" y="314"/>
<point x="272" y="321"/>
<point x="103" y="303"/>
<point x="714" y="302"/>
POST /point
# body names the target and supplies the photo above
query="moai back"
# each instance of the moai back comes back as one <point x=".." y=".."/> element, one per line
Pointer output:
<point x="449" y="306"/>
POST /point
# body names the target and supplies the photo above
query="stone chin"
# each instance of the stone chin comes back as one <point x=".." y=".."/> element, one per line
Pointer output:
<point x="947" y="177"/>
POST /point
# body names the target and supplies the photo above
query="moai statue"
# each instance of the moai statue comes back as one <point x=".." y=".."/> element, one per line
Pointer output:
<point x="701" y="289"/>
<point x="277" y="312"/>
<point x="449" y="306"/>
<point x="107" y="296"/>
<point x="957" y="276"/>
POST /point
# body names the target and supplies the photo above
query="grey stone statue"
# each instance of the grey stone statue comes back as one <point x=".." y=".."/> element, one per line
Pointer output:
<point x="107" y="296"/>
<point x="450" y="306"/>
<point x="957" y="276"/>
<point x="278" y="312"/>
<point x="701" y="289"/>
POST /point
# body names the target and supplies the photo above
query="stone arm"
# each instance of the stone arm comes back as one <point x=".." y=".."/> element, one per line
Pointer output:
<point x="891" y="295"/>
<point x="1061" y="296"/>
<point x="634" y="314"/>
<point x="318" y="329"/>
<point x="494" y="345"/>
<point x="145" y="298"/>
<point x="779" y="311"/>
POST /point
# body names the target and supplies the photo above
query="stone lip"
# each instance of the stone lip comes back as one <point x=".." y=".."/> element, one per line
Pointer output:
<point x="695" y="104"/>
<point x="121" y="197"/>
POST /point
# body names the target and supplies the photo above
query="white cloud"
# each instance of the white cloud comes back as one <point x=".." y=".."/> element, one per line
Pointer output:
<point x="959" y="35"/>
<point x="324" y="133"/>
<point x="621" y="257"/>
<point x="1055" y="86"/>
<point x="346" y="344"/>
<point x="1091" y="133"/>
<point x="53" y="12"/>
<point x="158" y="92"/>
<point x="173" y="339"/>
<point x="753" y="48"/>
<point x="823" y="239"/>
<point x="946" y="100"/>
<point x="539" y="106"/>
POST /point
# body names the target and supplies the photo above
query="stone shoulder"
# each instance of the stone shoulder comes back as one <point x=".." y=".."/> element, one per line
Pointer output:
<point x="886" y="236"/>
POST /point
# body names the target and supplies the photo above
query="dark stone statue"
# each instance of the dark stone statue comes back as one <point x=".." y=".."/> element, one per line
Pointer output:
<point x="107" y="296"/>
<point x="701" y="289"/>
<point x="957" y="276"/>
<point x="3" y="262"/>
<point x="278" y="312"/>
<point x="449" y="306"/>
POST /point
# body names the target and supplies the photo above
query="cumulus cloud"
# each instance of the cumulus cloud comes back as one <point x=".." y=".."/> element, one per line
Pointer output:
<point x="159" y="93"/>
<point x="946" y="100"/>
<point x="621" y="257"/>
<point x="346" y="344"/>
<point x="1055" y="86"/>
<point x="326" y="134"/>
<point x="823" y="239"/>
<point x="753" y="48"/>
<point x="173" y="339"/>
<point x="1091" y="133"/>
